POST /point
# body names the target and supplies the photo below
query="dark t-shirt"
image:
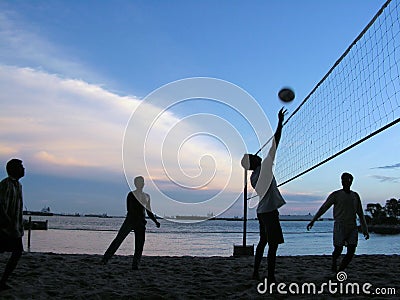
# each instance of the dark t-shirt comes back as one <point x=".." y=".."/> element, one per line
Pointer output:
<point x="11" y="205"/>
<point x="136" y="210"/>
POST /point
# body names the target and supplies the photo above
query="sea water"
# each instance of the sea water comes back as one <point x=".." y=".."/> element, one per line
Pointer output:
<point x="92" y="235"/>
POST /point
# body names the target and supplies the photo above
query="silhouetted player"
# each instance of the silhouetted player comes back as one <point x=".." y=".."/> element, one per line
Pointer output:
<point x="137" y="202"/>
<point x="11" y="222"/>
<point x="346" y="205"/>
<point x="271" y="199"/>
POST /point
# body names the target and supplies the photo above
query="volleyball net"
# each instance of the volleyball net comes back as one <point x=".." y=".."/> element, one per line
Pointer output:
<point x="358" y="98"/>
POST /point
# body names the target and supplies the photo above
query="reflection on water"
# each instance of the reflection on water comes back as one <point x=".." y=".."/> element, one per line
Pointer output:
<point x="212" y="238"/>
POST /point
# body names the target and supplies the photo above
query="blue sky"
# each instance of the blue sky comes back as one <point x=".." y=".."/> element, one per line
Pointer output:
<point x="72" y="73"/>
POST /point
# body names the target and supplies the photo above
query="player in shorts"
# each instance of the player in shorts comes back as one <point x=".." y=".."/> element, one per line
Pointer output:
<point x="265" y="185"/>
<point x="346" y="206"/>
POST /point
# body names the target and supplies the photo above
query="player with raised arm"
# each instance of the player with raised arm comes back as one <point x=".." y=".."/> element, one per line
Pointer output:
<point x="264" y="183"/>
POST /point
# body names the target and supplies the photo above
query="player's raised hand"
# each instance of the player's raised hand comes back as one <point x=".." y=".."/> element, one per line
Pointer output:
<point x="281" y="114"/>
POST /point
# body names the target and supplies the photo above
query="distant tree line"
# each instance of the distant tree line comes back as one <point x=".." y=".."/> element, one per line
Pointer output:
<point x="388" y="214"/>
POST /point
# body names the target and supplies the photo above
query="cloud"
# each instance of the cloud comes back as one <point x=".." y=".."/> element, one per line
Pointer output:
<point x="7" y="151"/>
<point x="72" y="128"/>
<point x="382" y="178"/>
<point x="68" y="126"/>
<point x="395" y="166"/>
<point x="55" y="121"/>
<point x="45" y="157"/>
<point x="24" y="45"/>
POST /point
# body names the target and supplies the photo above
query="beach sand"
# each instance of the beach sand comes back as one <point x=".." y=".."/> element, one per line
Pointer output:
<point x="61" y="276"/>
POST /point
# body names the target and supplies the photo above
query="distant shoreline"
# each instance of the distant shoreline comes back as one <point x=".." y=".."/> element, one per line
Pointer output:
<point x="183" y="218"/>
<point x="177" y="218"/>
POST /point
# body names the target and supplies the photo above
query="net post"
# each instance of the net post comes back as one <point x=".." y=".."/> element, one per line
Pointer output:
<point x="244" y="250"/>
<point x="29" y="233"/>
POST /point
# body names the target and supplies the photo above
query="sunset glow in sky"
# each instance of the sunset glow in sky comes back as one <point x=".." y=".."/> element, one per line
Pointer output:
<point x="72" y="74"/>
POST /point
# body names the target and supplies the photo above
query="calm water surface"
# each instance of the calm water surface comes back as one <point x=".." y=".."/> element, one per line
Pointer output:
<point x="91" y="235"/>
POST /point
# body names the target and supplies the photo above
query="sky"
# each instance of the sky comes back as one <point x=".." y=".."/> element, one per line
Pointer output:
<point x="95" y="93"/>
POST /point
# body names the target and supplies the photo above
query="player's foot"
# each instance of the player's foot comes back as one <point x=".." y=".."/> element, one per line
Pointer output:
<point x="135" y="266"/>
<point x="256" y="276"/>
<point x="271" y="279"/>
<point x="271" y="282"/>
<point x="334" y="266"/>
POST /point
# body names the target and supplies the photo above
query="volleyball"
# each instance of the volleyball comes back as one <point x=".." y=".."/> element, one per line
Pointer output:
<point x="286" y="95"/>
